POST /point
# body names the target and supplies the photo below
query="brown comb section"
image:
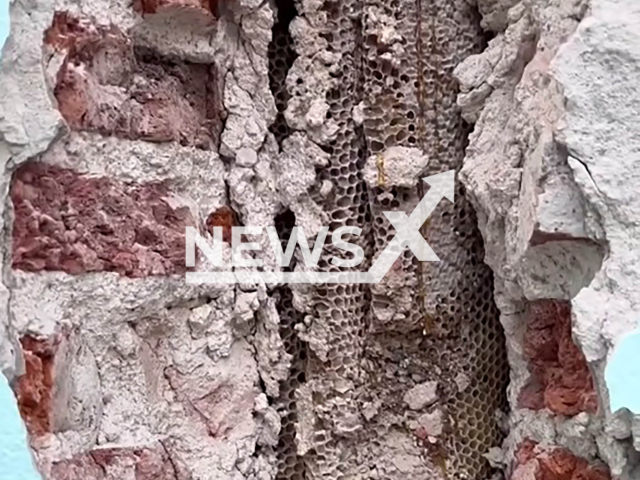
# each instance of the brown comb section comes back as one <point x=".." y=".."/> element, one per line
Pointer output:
<point x="75" y="223"/>
<point x="106" y="85"/>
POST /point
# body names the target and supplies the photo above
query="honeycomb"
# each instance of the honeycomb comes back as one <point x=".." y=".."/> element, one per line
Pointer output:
<point x="340" y="309"/>
<point x="290" y="465"/>
<point x="451" y="324"/>
<point x="281" y="55"/>
<point x="410" y="101"/>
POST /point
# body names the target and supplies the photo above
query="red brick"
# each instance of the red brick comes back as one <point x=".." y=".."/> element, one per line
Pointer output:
<point x="34" y="389"/>
<point x="74" y="223"/>
<point x="106" y="85"/>
<point x="553" y="463"/>
<point x="560" y="377"/>
<point x="223" y="217"/>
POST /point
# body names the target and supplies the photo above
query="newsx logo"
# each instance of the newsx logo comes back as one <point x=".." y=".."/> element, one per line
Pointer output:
<point x="407" y="235"/>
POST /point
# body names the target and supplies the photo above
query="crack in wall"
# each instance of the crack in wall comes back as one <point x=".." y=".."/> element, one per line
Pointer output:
<point x="281" y="58"/>
<point x="290" y="464"/>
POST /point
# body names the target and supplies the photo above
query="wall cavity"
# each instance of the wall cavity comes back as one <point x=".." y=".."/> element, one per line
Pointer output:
<point x="281" y="57"/>
<point x="121" y="124"/>
<point x="415" y="369"/>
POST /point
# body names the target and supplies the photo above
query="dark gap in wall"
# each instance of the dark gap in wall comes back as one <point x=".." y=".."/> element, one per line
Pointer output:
<point x="481" y="408"/>
<point x="290" y="465"/>
<point x="281" y="58"/>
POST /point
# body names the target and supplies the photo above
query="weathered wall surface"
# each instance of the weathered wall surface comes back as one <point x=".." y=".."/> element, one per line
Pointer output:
<point x="121" y="124"/>
<point x="113" y="137"/>
<point x="550" y="169"/>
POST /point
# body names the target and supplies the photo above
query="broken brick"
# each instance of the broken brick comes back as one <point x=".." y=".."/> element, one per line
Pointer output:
<point x="75" y="223"/>
<point x="560" y="377"/>
<point x="555" y="463"/>
<point x="223" y="217"/>
<point x="106" y="85"/>
<point x="34" y="389"/>
<point x="561" y="464"/>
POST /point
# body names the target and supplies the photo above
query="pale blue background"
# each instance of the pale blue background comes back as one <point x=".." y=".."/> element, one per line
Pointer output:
<point x="16" y="462"/>
<point x="622" y="374"/>
<point x="4" y="21"/>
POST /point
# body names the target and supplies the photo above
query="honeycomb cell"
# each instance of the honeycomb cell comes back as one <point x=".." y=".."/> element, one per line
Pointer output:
<point x="428" y="321"/>
<point x="290" y="465"/>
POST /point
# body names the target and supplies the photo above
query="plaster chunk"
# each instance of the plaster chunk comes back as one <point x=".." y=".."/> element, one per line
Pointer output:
<point x="430" y="424"/>
<point x="295" y="171"/>
<point x="247" y="96"/>
<point x="395" y="167"/>
<point x="462" y="382"/>
<point x="421" y="395"/>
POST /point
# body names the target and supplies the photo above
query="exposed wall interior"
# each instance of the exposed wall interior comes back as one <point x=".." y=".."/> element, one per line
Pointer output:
<point x="122" y="124"/>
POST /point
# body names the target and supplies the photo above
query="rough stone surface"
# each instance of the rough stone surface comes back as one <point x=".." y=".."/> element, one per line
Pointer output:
<point x="545" y="168"/>
<point x="153" y="381"/>
<point x="106" y="85"/>
<point x="76" y="224"/>
<point x="123" y="122"/>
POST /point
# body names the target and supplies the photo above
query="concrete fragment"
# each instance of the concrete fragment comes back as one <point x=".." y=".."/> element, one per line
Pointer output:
<point x="462" y="381"/>
<point x="430" y="424"/>
<point x="246" y="157"/>
<point x="421" y="395"/>
<point x="395" y="167"/>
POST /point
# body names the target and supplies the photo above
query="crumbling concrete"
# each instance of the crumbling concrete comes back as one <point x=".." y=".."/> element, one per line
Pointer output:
<point x="548" y="122"/>
<point x="123" y="123"/>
